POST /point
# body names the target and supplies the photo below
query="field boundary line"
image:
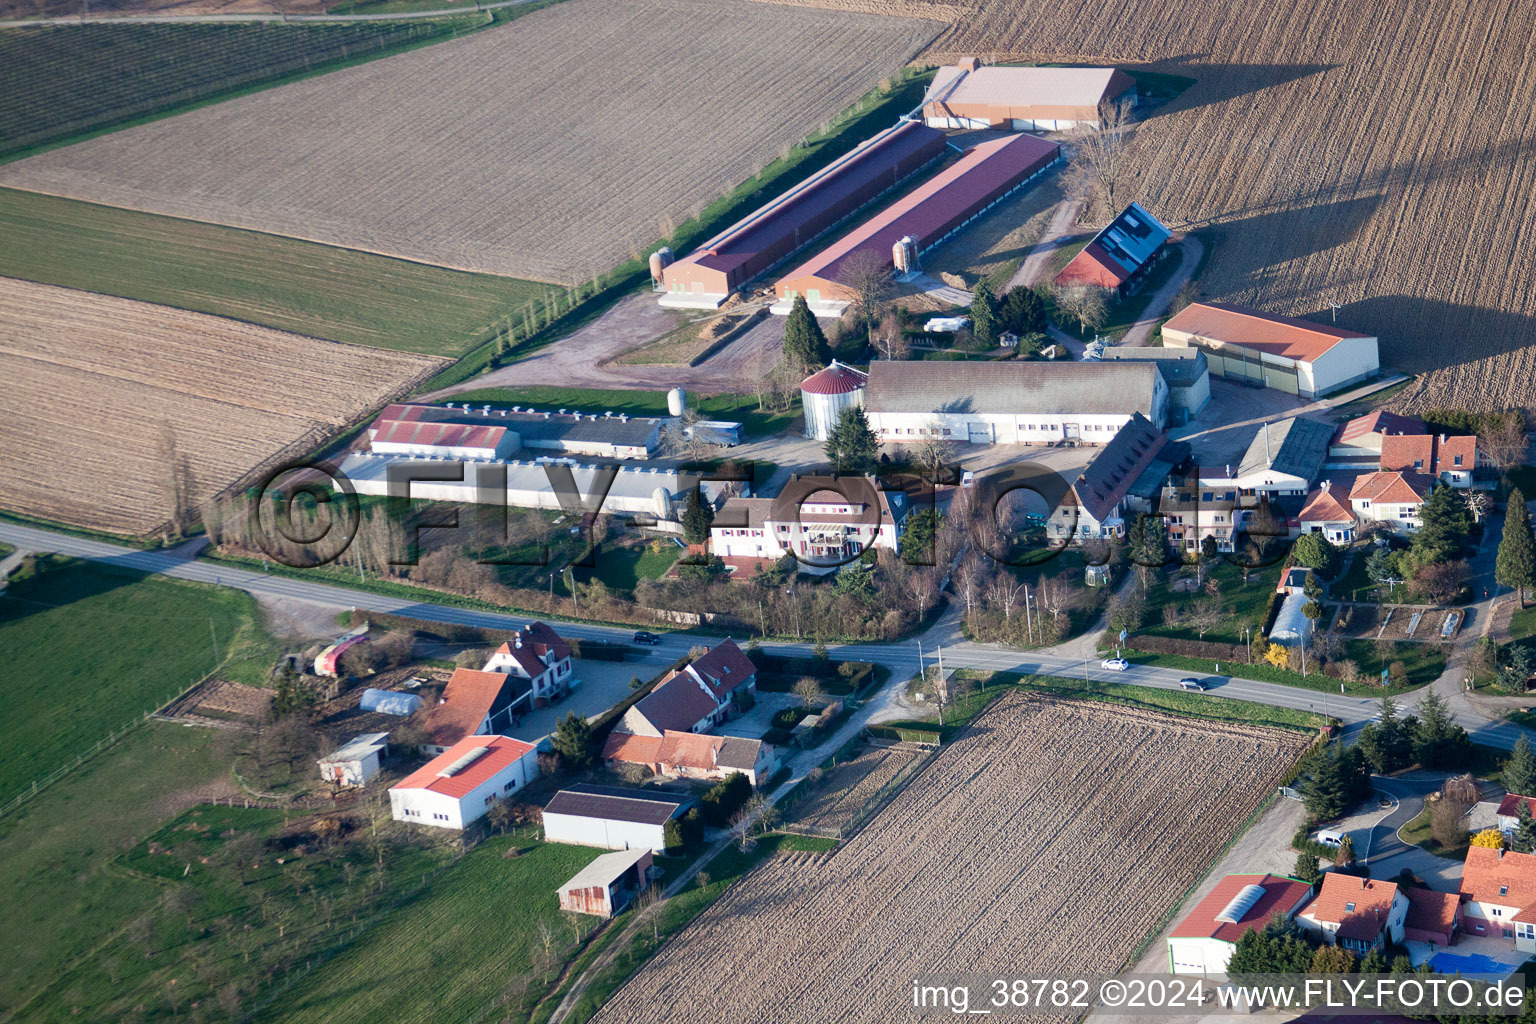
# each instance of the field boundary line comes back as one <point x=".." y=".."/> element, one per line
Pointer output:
<point x="231" y="19"/>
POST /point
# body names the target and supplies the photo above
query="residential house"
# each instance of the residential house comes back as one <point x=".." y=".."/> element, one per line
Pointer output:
<point x="1327" y="512"/>
<point x="1508" y="814"/>
<point x="1498" y="891"/>
<point x="612" y="817"/>
<point x="455" y="788"/>
<point x="538" y="654"/>
<point x="1203" y="943"/>
<point x="1432" y="916"/>
<point x="1359" y="914"/>
<point x="696" y="697"/>
<point x="356" y="761"/>
<point x="1357" y="443"/>
<point x="608" y="884"/>
<point x="1094" y="506"/>
<point x="825" y="520"/>
<point x="1194" y="511"/>
<point x="1444" y="458"/>
<point x="690" y="755"/>
<point x="475" y="703"/>
<point x="1392" y="498"/>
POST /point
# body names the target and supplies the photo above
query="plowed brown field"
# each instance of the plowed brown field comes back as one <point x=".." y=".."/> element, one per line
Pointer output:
<point x="1380" y="155"/>
<point x="1050" y="839"/>
<point x="91" y="383"/>
<point x="549" y="149"/>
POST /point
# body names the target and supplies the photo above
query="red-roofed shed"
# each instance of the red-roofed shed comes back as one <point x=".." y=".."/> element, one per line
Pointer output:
<point x="1205" y="939"/>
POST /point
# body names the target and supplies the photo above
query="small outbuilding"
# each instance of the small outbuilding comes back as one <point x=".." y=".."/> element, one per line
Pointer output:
<point x="612" y="817"/>
<point x="356" y="761"/>
<point x="607" y="885"/>
<point x="1203" y="943"/>
<point x="389" y="702"/>
<point x="826" y="393"/>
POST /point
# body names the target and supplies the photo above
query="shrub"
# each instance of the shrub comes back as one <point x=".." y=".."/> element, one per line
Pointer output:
<point x="1489" y="837"/>
<point x="724" y="799"/>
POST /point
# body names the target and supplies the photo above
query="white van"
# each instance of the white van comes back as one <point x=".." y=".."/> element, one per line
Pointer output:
<point x="1328" y="837"/>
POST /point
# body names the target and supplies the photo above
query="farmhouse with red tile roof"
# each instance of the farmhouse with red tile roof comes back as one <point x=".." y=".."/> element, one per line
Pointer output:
<point x="539" y="655"/>
<point x="1498" y="889"/>
<point x="694" y="698"/>
<point x="1432" y="916"/>
<point x="474" y="703"/>
<point x="1356" y="913"/>
<point x="693" y="756"/>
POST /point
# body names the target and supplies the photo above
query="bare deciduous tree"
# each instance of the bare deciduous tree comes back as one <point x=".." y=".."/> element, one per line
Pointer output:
<point x="1100" y="173"/>
<point x="1085" y="304"/>
<point x="867" y="274"/>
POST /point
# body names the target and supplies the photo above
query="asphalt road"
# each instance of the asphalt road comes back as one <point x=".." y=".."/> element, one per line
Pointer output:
<point x="901" y="658"/>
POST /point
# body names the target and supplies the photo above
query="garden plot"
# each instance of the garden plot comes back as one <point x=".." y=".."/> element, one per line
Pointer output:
<point x="847" y="788"/>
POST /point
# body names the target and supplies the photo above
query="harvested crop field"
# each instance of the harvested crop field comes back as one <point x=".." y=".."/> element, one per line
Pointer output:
<point x="845" y="789"/>
<point x="95" y="384"/>
<point x="1020" y="849"/>
<point x="552" y="148"/>
<point x="1377" y="155"/>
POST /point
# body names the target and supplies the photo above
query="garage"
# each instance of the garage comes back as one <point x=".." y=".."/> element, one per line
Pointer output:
<point x="979" y="433"/>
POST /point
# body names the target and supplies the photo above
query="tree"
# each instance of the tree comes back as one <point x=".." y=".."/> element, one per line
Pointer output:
<point x="918" y="539"/>
<point x="852" y="444"/>
<point x="1387" y="743"/>
<point x="867" y="274"/>
<point x="1101" y="174"/>
<point x="808" y="690"/>
<point x="1517" y="667"/>
<point x="724" y="799"/>
<point x="573" y="740"/>
<point x="1443" y="525"/>
<point x="984" y="319"/>
<point x="1448" y="819"/>
<point x="1438" y="741"/>
<point x="1491" y="838"/>
<point x="1306" y="868"/>
<point x="1345" y="856"/>
<point x="1277" y="948"/>
<point x="1524" y="838"/>
<point x="890" y="338"/>
<point x="698" y="514"/>
<point x="805" y="346"/>
<point x="1381" y="567"/>
<point x="1332" y="780"/>
<point x="1085" y="304"/>
<point x="1375" y="962"/>
<point x="1520" y="769"/>
<point x="1439" y="582"/>
<point x="934" y="452"/>
<point x="1314" y="551"/>
<point x="1502" y="437"/>
<point x="1021" y="312"/>
<point x="1516" y="564"/>
<point x="1333" y="960"/>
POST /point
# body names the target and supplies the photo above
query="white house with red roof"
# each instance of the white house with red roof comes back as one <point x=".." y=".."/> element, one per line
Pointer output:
<point x="1498" y="892"/>
<point x="1299" y="356"/>
<point x="1508" y="814"/>
<point x="1328" y="512"/>
<point x="826" y="519"/>
<point x="540" y="655"/>
<point x="693" y="756"/>
<point x="696" y="697"/>
<point x="1205" y="940"/>
<point x="1392" y="498"/>
<point x="1356" y="913"/>
<point x="826" y="393"/>
<point x="1448" y="459"/>
<point x="454" y="789"/>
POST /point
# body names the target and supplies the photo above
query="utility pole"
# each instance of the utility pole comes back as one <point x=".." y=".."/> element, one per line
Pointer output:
<point x="940" y="689"/>
<point x="1029" y="623"/>
<point x="213" y="639"/>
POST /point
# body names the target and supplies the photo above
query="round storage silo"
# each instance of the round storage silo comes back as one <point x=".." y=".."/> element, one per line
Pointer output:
<point x="826" y="393"/>
<point x="677" y="402"/>
<point x="661" y="499"/>
<point x="661" y="259"/>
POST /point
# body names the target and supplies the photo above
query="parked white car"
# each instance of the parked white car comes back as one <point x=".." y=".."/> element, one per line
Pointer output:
<point x="1115" y="664"/>
<point x="947" y="324"/>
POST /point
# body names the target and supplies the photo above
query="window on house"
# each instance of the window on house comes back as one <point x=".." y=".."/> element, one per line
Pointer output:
<point x="1349" y="908"/>
<point x="1497" y="912"/>
<point x="1458" y="460"/>
<point x="1503" y="890"/>
<point x="1418" y="464"/>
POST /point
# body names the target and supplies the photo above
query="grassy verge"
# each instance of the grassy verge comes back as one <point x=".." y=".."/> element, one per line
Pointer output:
<point x="724" y="870"/>
<point x="306" y="287"/>
<point x="988" y="686"/>
<point x="98" y="646"/>
<point x="1265" y="674"/>
<point x="1418" y="833"/>
<point x="20" y="519"/>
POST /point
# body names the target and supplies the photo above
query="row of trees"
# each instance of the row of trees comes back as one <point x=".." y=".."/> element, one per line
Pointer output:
<point x="1431" y="739"/>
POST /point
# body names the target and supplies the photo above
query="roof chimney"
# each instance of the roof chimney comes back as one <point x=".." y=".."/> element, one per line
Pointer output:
<point x="970" y="64"/>
<point x="1442" y="439"/>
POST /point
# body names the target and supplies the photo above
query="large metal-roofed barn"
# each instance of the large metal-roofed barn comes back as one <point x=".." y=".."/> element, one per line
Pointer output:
<point x="929" y="214"/>
<point x="1011" y="403"/>
<point x="968" y="95"/>
<point x="754" y="244"/>
<point x="1285" y="353"/>
<point x="485" y="432"/>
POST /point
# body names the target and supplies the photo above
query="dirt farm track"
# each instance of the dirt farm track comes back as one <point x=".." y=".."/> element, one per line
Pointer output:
<point x="551" y="148"/>
<point x="1380" y="155"/>
<point x="1017" y="849"/>
<point x="94" y="383"/>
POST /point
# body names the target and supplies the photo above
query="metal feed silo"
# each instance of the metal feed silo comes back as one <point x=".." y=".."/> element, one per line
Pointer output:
<point x="677" y="402"/>
<point x="826" y="393"/>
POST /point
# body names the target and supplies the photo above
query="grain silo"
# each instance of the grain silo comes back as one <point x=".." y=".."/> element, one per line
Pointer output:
<point x="661" y="259"/>
<point x="826" y="393"/>
<point x="904" y="254"/>
<point x="677" y="402"/>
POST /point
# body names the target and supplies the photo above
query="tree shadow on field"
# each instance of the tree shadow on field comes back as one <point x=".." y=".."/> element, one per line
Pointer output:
<point x="58" y="584"/>
<point x="1470" y="334"/>
<point x="1220" y="83"/>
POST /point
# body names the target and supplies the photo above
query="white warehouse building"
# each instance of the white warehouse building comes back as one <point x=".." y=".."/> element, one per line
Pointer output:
<point x="1012" y="403"/>
<point x="826" y="393"/>
<point x="1281" y="352"/>
<point x="454" y="789"/>
<point x="611" y="817"/>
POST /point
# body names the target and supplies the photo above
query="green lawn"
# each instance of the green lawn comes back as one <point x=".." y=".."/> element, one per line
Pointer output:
<point x="740" y="408"/>
<point x="1356" y="585"/>
<point x="1423" y="668"/>
<point x="320" y="290"/>
<point x="89" y="649"/>
<point x="65" y="83"/>
<point x="622" y="567"/>
<point x="1244" y="602"/>
<point x="1522" y="623"/>
<point x="448" y="954"/>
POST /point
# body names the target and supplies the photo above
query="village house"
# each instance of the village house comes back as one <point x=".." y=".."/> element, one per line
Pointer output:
<point x="1094" y="507"/>
<point x="1359" y="914"/>
<point x="687" y="755"/>
<point x="612" y="817"/>
<point x="454" y="789"/>
<point x="1498" y="890"/>
<point x="1432" y="916"/>
<point x="474" y="703"/>
<point x="1194" y="512"/>
<point x="1283" y="459"/>
<point x="608" y="884"/>
<point x="1203" y="943"/>
<point x="1392" y="498"/>
<point x="1327" y="512"/>
<point x="1443" y="458"/>
<point x="696" y="697"/>
<point x="1508" y="813"/>
<point x="538" y="654"/>
<point x="1357" y="443"/>
<point x="815" y="519"/>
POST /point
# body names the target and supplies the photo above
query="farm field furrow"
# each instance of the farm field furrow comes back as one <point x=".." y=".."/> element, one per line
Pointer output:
<point x="846" y="788"/>
<point x="1022" y="848"/>
<point x="550" y="149"/>
<point x="96" y="386"/>
<point x="1381" y="156"/>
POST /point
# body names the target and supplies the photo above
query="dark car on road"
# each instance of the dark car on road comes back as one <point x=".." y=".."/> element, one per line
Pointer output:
<point x="1191" y="683"/>
<point x="649" y="639"/>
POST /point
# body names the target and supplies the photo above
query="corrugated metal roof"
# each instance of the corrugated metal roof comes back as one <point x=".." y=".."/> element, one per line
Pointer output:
<point x="1297" y="447"/>
<point x="585" y="800"/>
<point x="994" y="86"/>
<point x="837" y="379"/>
<point x="605" y="870"/>
<point x="1011" y="387"/>
<point x="631" y="431"/>
<point x="1283" y="336"/>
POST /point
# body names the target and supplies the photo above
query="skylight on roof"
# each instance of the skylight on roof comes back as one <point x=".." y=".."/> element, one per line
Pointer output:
<point x="1240" y="904"/>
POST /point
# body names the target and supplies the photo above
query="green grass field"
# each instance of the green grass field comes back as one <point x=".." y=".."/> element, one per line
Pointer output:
<point x="320" y="290"/>
<point x="1244" y="603"/>
<point x="89" y="649"/>
<point x="740" y="408"/>
<point x="1423" y="661"/>
<point x="449" y="953"/>
<point x="622" y="567"/>
<point x="63" y="83"/>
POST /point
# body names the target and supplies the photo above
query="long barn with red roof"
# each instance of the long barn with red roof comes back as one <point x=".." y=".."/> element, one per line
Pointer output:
<point x="454" y="789"/>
